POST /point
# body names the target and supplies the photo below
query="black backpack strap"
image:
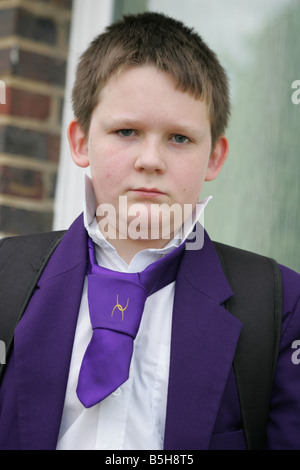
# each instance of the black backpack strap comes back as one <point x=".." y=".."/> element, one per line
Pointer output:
<point x="22" y="260"/>
<point x="257" y="303"/>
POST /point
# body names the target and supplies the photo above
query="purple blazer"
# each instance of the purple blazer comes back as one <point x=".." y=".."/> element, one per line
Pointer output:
<point x="203" y="408"/>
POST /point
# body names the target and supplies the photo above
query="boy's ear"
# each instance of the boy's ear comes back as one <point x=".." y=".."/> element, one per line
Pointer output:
<point x="217" y="158"/>
<point x="78" y="145"/>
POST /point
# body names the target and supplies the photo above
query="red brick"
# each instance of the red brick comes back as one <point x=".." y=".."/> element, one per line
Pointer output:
<point x="25" y="104"/>
<point x="5" y="64"/>
<point x="21" y="182"/>
<point x="66" y="4"/>
<point x="8" y="21"/>
<point x="29" y="143"/>
<point x="41" y="68"/>
<point x="53" y="147"/>
<point x="36" y="27"/>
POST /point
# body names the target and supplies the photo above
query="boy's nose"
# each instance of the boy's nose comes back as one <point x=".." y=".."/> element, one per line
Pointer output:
<point x="150" y="158"/>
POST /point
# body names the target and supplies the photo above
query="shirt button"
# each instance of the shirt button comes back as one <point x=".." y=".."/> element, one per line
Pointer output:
<point x="117" y="392"/>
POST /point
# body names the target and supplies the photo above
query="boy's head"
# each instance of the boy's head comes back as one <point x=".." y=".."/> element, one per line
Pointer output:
<point x="153" y="39"/>
<point x="151" y="106"/>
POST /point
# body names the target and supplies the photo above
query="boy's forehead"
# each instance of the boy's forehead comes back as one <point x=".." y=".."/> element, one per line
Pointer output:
<point x="147" y="95"/>
<point x="118" y="77"/>
<point x="130" y="74"/>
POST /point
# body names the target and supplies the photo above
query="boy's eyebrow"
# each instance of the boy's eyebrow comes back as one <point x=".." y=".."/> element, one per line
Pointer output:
<point x="130" y="123"/>
<point x="120" y="122"/>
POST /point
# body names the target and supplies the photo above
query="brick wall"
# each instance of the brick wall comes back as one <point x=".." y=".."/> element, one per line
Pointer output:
<point x="34" y="37"/>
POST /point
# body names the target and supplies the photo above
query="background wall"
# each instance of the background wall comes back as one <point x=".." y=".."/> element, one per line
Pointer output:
<point x="34" y="37"/>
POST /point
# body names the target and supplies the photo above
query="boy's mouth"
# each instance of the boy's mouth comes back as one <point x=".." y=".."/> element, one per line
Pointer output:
<point x="149" y="192"/>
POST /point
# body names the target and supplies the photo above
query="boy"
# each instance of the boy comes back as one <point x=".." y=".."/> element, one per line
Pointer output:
<point x="151" y="106"/>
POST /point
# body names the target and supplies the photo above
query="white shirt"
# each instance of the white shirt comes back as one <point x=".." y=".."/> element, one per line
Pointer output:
<point x="132" y="417"/>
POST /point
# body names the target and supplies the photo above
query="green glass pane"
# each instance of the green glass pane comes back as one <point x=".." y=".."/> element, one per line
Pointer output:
<point x="256" y="197"/>
<point x="123" y="7"/>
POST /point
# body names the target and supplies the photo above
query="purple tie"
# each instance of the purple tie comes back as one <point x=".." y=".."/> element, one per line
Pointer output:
<point x="116" y="303"/>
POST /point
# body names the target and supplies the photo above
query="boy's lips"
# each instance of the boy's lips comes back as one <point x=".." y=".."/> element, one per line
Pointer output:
<point x="149" y="192"/>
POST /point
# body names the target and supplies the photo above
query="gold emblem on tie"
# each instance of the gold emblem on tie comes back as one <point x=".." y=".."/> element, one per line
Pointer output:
<point x="119" y="307"/>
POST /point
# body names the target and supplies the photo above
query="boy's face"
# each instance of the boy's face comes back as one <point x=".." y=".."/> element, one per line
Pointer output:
<point x="147" y="141"/>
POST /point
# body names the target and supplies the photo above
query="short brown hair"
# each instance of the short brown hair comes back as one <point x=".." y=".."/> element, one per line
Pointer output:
<point x="153" y="39"/>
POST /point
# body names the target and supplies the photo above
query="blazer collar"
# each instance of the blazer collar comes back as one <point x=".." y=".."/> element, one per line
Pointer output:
<point x="204" y="339"/>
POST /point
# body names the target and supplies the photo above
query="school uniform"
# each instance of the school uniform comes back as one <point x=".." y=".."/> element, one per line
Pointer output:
<point x="181" y="393"/>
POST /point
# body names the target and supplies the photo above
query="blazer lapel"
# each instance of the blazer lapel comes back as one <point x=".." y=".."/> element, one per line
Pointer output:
<point x="42" y="363"/>
<point x="204" y="339"/>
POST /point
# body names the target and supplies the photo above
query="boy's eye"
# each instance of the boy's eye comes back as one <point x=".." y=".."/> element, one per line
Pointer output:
<point x="126" y="132"/>
<point x="180" y="139"/>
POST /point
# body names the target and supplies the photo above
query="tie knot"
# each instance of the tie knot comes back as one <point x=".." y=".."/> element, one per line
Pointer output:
<point x="116" y="306"/>
<point x="117" y="299"/>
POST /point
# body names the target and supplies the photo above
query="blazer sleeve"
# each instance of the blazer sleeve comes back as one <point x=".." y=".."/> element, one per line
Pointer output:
<point x="284" y="419"/>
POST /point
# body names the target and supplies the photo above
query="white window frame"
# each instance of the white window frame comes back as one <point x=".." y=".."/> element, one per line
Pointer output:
<point x="89" y="18"/>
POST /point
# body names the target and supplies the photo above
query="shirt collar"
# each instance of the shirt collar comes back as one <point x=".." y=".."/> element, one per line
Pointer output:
<point x="106" y="253"/>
